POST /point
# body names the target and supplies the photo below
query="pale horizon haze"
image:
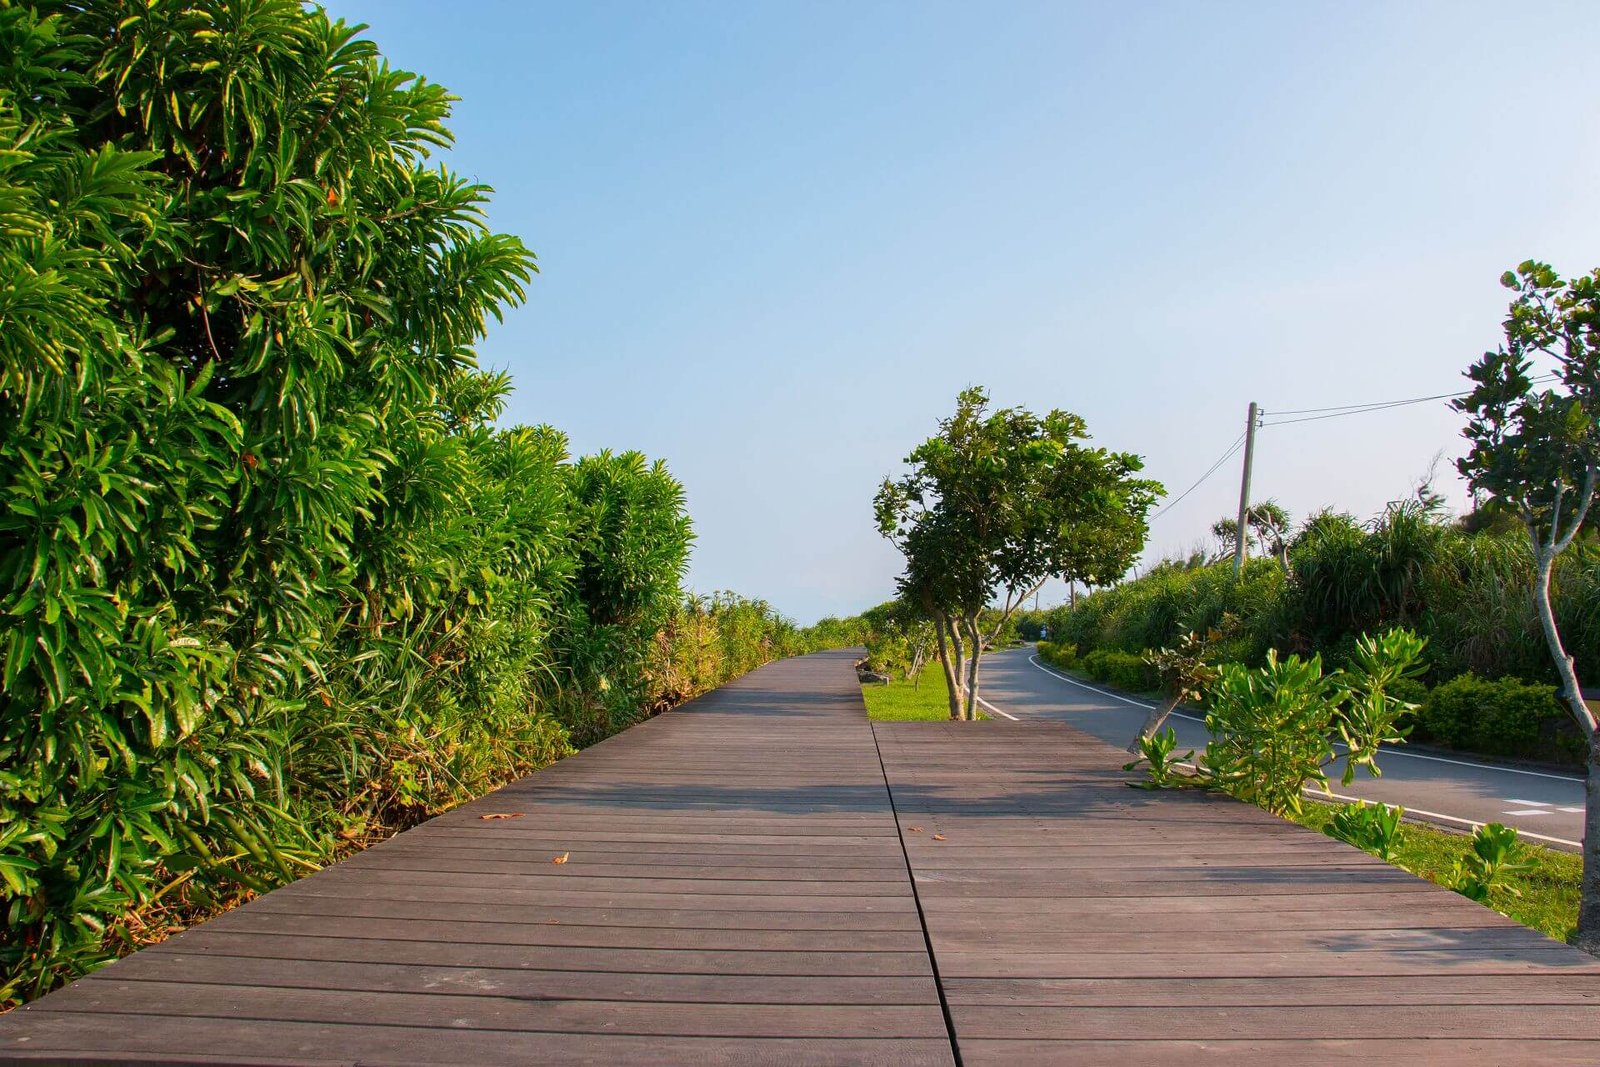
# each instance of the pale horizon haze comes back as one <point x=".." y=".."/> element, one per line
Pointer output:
<point x="777" y="239"/>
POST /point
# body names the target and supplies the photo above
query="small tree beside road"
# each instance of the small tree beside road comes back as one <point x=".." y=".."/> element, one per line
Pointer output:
<point x="994" y="505"/>
<point x="1536" y="453"/>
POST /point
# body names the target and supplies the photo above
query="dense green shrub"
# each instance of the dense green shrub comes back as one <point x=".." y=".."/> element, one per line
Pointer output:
<point x="1059" y="654"/>
<point x="1503" y="717"/>
<point x="1121" y="669"/>
<point x="1273" y="727"/>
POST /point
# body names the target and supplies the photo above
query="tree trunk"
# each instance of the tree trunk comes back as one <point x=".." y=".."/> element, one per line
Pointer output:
<point x="1153" y="721"/>
<point x="1558" y="652"/>
<point x="1588" y="937"/>
<point x="973" y="658"/>
<point x="949" y="660"/>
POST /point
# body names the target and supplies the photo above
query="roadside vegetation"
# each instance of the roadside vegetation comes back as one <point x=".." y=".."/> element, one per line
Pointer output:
<point x="1273" y="730"/>
<point x="1512" y="592"/>
<point x="1463" y="584"/>
<point x="1540" y="889"/>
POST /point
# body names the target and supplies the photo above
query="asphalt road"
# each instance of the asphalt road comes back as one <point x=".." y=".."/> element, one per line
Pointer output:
<point x="1437" y="787"/>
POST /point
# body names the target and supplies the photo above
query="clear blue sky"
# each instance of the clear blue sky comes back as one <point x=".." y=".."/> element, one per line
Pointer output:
<point x="778" y="239"/>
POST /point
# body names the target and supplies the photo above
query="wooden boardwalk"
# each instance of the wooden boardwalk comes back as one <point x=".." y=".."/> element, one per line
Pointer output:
<point x="737" y="890"/>
<point x="1077" y="921"/>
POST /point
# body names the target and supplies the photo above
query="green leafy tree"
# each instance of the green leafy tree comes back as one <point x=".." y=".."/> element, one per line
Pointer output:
<point x="994" y="505"/>
<point x="1535" y="450"/>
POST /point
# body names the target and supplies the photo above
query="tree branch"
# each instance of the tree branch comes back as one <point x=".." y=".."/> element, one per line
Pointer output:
<point x="1585" y="499"/>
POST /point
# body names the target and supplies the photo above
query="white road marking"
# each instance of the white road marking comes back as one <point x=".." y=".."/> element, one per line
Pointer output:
<point x="997" y="711"/>
<point x="1474" y="824"/>
<point x="1525" y="814"/>
<point x="1527" y="803"/>
<point x="1388" y="752"/>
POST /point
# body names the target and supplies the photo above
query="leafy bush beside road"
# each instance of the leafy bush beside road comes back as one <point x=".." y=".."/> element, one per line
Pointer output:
<point x="1125" y="670"/>
<point x="1502" y="717"/>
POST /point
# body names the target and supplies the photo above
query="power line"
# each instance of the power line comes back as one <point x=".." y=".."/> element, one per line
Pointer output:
<point x="1379" y="405"/>
<point x="1314" y="415"/>
<point x="1237" y="443"/>
<point x="1358" y="411"/>
<point x="1374" y="404"/>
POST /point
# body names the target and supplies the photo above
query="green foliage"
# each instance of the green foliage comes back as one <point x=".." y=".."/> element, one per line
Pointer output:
<point x="1503" y="717"/>
<point x="271" y="585"/>
<point x="1272" y="727"/>
<point x="923" y="700"/>
<point x="1159" y="752"/>
<point x="899" y="641"/>
<point x="1537" y="450"/>
<point x="1495" y="857"/>
<point x="1059" y="654"/>
<point x="1121" y="669"/>
<point x="1373" y="828"/>
<point x="1543" y="895"/>
<point x="1187" y="667"/>
<point x="708" y="640"/>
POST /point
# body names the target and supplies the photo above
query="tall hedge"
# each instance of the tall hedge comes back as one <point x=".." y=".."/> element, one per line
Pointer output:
<point x="272" y="582"/>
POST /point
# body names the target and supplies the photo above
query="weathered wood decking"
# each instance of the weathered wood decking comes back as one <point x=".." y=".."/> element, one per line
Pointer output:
<point x="735" y="892"/>
<point x="738" y="892"/>
<point x="1077" y="921"/>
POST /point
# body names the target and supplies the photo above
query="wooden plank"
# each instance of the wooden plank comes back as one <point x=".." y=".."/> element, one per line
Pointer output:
<point x="1307" y="1022"/>
<point x="522" y="982"/>
<point x="1444" y="988"/>
<point x="1287" y="1050"/>
<point x="487" y="1011"/>
<point x="82" y="1038"/>
<point x="646" y="918"/>
<point x="550" y="934"/>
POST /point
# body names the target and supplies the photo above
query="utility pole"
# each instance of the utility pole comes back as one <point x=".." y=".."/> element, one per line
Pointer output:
<point x="1242" y="533"/>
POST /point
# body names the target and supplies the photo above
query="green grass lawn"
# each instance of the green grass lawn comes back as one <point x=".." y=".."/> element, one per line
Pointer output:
<point x="902" y="701"/>
<point x="1548" y="899"/>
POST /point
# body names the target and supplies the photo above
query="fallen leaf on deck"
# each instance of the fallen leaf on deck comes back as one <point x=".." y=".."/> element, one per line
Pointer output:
<point x="503" y="815"/>
<point x="561" y="858"/>
<point x="938" y="837"/>
<point x="913" y="829"/>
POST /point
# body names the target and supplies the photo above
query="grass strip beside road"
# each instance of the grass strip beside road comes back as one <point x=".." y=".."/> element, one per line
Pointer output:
<point x="927" y="700"/>
<point x="1545" y="896"/>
